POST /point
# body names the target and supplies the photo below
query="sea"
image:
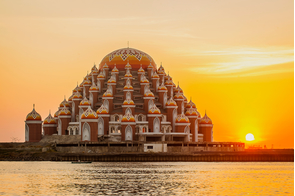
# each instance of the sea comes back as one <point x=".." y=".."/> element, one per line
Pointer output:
<point x="147" y="178"/>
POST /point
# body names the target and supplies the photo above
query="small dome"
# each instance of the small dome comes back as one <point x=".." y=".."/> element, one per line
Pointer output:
<point x="108" y="93"/>
<point x="89" y="114"/>
<point x="178" y="90"/>
<point x="144" y="80"/>
<point x="128" y="74"/>
<point x="33" y="115"/>
<point x="178" y="96"/>
<point x="64" y="112"/>
<point x="185" y="99"/>
<point x="64" y="103"/>
<point x="81" y="85"/>
<point x="94" y="70"/>
<point x="128" y="117"/>
<point x="150" y="66"/>
<point x="105" y="66"/>
<point x="88" y="77"/>
<point x="77" y="95"/>
<point x="112" y="80"/>
<point x="128" y="86"/>
<point x="93" y="87"/>
<point x="85" y="102"/>
<point x="154" y="110"/>
<point x="155" y="75"/>
<point x="162" y="87"/>
<point x="87" y="82"/>
<point x="149" y="94"/>
<point x="190" y="104"/>
<point x="128" y="102"/>
<point x="49" y="120"/>
<point x="171" y="102"/>
<point x="102" y="110"/>
<point x="100" y="75"/>
<point x="115" y="70"/>
<point x="140" y="70"/>
<point x="71" y="98"/>
<point x="128" y="66"/>
<point x="205" y="120"/>
<point x="181" y="118"/>
<point x="169" y="82"/>
<point x="56" y="114"/>
<point x="192" y="112"/>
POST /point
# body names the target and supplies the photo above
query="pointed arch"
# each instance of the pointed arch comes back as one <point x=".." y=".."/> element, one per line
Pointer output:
<point x="174" y="118"/>
<point x="59" y="127"/>
<point x="99" y="85"/>
<point x="156" y="124"/>
<point x="27" y="133"/>
<point x="110" y="88"/>
<point x="128" y="95"/>
<point x="91" y="99"/>
<point x="150" y="104"/>
<point x="80" y="112"/>
<point x="128" y="110"/>
<point x="196" y="130"/>
<point x="182" y="107"/>
<point x="106" y="104"/>
<point x="146" y="88"/>
<point x="84" y="92"/>
<point x="73" y="112"/>
<point x="165" y="99"/>
<point x="187" y="129"/>
<point x="100" y="126"/>
<point x="86" y="132"/>
<point x="157" y="85"/>
<point x="128" y="133"/>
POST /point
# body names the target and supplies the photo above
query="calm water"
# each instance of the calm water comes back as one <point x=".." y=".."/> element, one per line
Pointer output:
<point x="177" y="178"/>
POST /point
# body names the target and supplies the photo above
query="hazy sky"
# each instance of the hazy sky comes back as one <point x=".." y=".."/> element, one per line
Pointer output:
<point x="234" y="58"/>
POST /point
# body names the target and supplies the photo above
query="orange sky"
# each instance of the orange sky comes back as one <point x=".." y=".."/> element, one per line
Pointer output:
<point x="235" y="58"/>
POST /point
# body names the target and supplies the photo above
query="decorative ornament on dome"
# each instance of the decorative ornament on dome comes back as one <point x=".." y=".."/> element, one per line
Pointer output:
<point x="169" y="82"/>
<point x="108" y="93"/>
<point x="94" y="70"/>
<point x="178" y="89"/>
<point x="144" y="80"/>
<point x="128" y="102"/>
<point x="71" y="98"/>
<point x="115" y="70"/>
<point x="128" y="74"/>
<point x="150" y="66"/>
<point x="171" y="102"/>
<point x="149" y="93"/>
<point x="128" y="117"/>
<point x="77" y="95"/>
<point x="100" y="75"/>
<point x="89" y="114"/>
<point x="184" y="98"/>
<point x="87" y="82"/>
<point x="94" y="67"/>
<point x="192" y="112"/>
<point x="64" y="112"/>
<point x="64" y="103"/>
<point x="81" y="85"/>
<point x="102" y="110"/>
<point x="105" y="66"/>
<point x="140" y="70"/>
<point x="190" y="104"/>
<point x="178" y="96"/>
<point x="154" y="110"/>
<point x="181" y="118"/>
<point x="49" y="120"/>
<point x="94" y="87"/>
<point x="162" y="87"/>
<point x="33" y="115"/>
<point x="85" y="102"/>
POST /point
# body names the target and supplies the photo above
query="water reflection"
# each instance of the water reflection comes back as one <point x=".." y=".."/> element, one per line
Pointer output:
<point x="55" y="178"/>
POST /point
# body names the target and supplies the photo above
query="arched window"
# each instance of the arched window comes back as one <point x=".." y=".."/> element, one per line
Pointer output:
<point x="77" y="131"/>
<point x="119" y="129"/>
<point x="112" y="129"/>
<point x="91" y="99"/>
<point x="146" y="88"/>
<point x="143" y="130"/>
<point x="140" y="118"/>
<point x="157" y="85"/>
<point x="128" y="95"/>
<point x="80" y="112"/>
<point x="137" y="130"/>
<point x="151" y="103"/>
<point x="174" y="118"/>
<point x="100" y="126"/>
<point x="59" y="127"/>
<point x="27" y="138"/>
<point x="86" y="132"/>
<point x="106" y="104"/>
<point x="128" y="110"/>
<point x="117" y="118"/>
<point x="165" y="99"/>
<point x="84" y="92"/>
<point x="71" y="132"/>
<point x="187" y="129"/>
<point x="98" y="85"/>
<point x="128" y="133"/>
<point x="196" y="130"/>
<point x="73" y="112"/>
<point x="156" y="125"/>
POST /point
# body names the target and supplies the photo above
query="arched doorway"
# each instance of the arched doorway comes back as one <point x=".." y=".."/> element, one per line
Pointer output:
<point x="128" y="133"/>
<point x="156" y="125"/>
<point x="100" y="126"/>
<point x="86" y="132"/>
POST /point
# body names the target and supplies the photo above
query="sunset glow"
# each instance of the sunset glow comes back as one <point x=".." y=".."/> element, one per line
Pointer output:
<point x="234" y="58"/>
<point x="250" y="137"/>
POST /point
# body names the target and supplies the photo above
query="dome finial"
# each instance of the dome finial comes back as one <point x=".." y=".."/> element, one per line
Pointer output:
<point x="33" y="106"/>
<point x="65" y="97"/>
<point x="77" y="83"/>
<point x="49" y="112"/>
<point x="127" y="44"/>
<point x="178" y="84"/>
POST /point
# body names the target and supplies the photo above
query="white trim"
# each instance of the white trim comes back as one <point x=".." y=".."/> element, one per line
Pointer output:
<point x="178" y="99"/>
<point x="144" y="83"/>
<point x="166" y="123"/>
<point x="162" y="91"/>
<point x="103" y="115"/>
<point x="128" y="90"/>
<point x="33" y="121"/>
<point x="92" y="91"/>
<point x="142" y="122"/>
<point x="107" y="97"/>
<point x="182" y="124"/>
<point x="112" y="83"/>
<point x="128" y="123"/>
<point x="128" y="106"/>
<point x="61" y="116"/>
<point x="171" y="106"/>
<point x="192" y="116"/>
<point x="59" y="108"/>
<point x="148" y="97"/>
<point x="49" y="125"/>
<point x="154" y="115"/>
<point x="84" y="106"/>
<point x="77" y="99"/>
<point x="205" y="125"/>
<point x="86" y="85"/>
<point x="89" y="120"/>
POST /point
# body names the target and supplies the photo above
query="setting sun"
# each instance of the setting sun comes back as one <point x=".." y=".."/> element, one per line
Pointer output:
<point x="250" y="137"/>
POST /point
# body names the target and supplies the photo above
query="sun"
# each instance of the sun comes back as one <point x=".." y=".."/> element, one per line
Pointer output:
<point x="250" y="137"/>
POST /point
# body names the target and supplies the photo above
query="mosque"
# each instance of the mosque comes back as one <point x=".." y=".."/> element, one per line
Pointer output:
<point x="125" y="98"/>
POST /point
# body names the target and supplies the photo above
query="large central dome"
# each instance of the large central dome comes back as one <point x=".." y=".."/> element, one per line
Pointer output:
<point x="122" y="56"/>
